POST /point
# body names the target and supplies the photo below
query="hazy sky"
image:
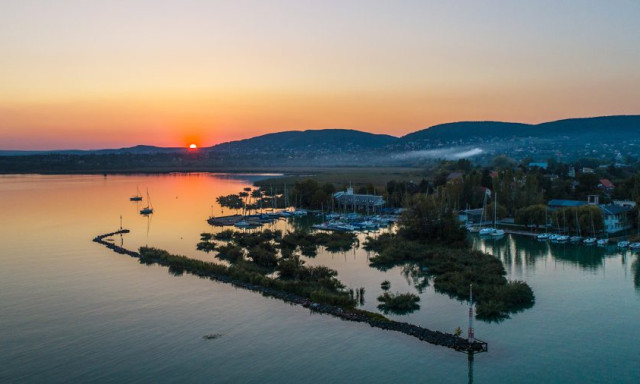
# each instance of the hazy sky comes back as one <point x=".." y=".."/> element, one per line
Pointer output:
<point x="96" y="74"/>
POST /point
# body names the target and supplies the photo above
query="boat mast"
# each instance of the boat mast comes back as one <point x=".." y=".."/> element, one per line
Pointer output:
<point x="495" y="212"/>
<point x="470" y="337"/>
<point x="546" y="228"/>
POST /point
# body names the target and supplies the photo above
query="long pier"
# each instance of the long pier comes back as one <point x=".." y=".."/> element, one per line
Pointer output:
<point x="433" y="337"/>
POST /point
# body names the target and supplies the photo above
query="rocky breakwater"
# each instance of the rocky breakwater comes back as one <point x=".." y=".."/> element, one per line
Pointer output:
<point x="348" y="314"/>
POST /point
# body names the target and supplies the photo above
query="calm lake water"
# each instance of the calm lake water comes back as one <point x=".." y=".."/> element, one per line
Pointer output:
<point x="73" y="311"/>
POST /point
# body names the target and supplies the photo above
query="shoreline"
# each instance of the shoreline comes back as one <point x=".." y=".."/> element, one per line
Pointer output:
<point x="373" y="319"/>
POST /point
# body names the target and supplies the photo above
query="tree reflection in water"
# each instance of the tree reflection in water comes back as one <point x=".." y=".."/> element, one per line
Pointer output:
<point x="635" y="268"/>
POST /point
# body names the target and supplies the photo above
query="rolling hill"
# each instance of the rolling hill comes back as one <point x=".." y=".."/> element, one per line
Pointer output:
<point x="324" y="139"/>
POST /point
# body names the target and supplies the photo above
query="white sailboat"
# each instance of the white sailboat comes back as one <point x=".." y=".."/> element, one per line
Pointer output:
<point x="149" y="208"/>
<point x="591" y="240"/>
<point x="496" y="232"/>
<point x="545" y="235"/>
<point x="486" y="231"/>
<point x="577" y="238"/>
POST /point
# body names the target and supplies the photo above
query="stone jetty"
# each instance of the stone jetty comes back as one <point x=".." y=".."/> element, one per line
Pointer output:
<point x="373" y="319"/>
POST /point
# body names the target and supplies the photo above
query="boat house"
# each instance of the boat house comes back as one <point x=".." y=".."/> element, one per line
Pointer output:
<point x="471" y="216"/>
<point x="616" y="217"/>
<point x="557" y="204"/>
<point x="349" y="200"/>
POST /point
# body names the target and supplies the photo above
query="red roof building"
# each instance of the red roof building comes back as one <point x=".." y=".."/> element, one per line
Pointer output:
<point x="606" y="184"/>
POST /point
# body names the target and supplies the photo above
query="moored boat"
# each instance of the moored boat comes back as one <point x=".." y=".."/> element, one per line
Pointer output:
<point x="497" y="233"/>
<point x="149" y="208"/>
<point x="634" y="246"/>
<point x="575" y="239"/>
<point x="137" y="196"/>
<point x="485" y="231"/>
<point x="543" y="236"/>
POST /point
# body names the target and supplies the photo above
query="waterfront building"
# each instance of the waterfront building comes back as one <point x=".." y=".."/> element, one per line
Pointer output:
<point x="616" y="217"/>
<point x="348" y="200"/>
<point x="471" y="216"/>
<point x="557" y="204"/>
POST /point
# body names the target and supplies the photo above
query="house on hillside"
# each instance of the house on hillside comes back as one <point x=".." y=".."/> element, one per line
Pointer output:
<point x="348" y="200"/>
<point x="606" y="185"/>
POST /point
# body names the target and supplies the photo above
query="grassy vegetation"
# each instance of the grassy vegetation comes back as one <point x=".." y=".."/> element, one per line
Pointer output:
<point x="318" y="284"/>
<point x="398" y="303"/>
<point x="345" y="176"/>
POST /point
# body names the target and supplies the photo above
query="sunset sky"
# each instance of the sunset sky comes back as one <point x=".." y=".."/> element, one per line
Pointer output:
<point x="106" y="74"/>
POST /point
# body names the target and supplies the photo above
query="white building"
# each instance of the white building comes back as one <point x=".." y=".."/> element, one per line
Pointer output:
<point x="349" y="200"/>
<point x="616" y="217"/>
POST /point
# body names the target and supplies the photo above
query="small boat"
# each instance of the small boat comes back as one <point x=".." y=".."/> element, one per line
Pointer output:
<point x="345" y="227"/>
<point x="485" y="231"/>
<point x="137" y="196"/>
<point x="575" y="239"/>
<point x="497" y="233"/>
<point x="148" y="209"/>
<point x="242" y="224"/>
<point x="603" y="242"/>
<point x="543" y="236"/>
<point x="553" y="237"/>
<point x="589" y="241"/>
<point x="634" y="246"/>
<point x="623" y="244"/>
<point x="562" y="238"/>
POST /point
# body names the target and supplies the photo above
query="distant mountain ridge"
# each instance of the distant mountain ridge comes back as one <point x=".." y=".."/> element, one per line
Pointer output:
<point x="297" y="140"/>
<point x="138" y="150"/>
<point x="604" y="128"/>
<point x="620" y="126"/>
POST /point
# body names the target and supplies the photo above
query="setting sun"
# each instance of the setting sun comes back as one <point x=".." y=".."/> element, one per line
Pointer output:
<point x="193" y="146"/>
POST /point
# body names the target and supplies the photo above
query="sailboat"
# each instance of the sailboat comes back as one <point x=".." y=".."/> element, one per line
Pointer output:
<point x="476" y="228"/>
<point x="591" y="240"/>
<point x="562" y="238"/>
<point x="149" y="208"/>
<point x="577" y="238"/>
<point x="486" y="231"/>
<point x="635" y="246"/>
<point x="496" y="232"/>
<point x="137" y="197"/>
<point x="545" y="235"/>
